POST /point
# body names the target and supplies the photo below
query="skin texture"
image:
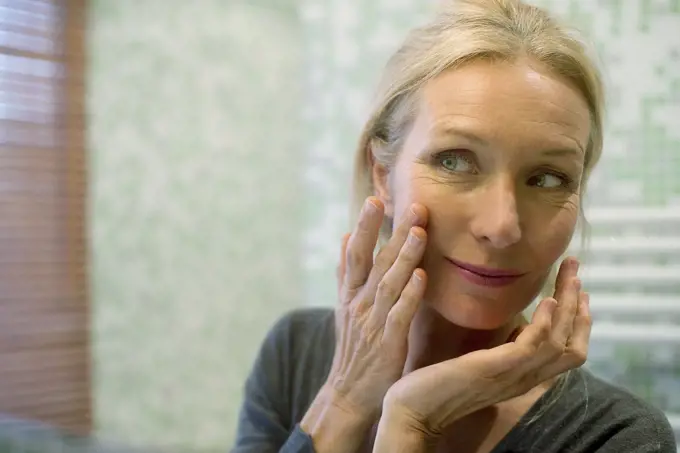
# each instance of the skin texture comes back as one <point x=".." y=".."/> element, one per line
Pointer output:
<point x="491" y="211"/>
<point x="489" y="174"/>
<point x="495" y="156"/>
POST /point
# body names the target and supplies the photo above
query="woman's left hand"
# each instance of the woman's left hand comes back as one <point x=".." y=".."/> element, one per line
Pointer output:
<point x="429" y="399"/>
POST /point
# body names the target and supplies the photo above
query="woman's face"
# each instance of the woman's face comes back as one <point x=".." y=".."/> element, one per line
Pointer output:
<point x="496" y="155"/>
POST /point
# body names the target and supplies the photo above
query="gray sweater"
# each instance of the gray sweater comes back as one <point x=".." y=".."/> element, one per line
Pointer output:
<point x="590" y="416"/>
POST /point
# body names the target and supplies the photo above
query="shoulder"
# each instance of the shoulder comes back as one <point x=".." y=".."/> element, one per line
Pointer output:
<point x="294" y="335"/>
<point x="302" y="342"/>
<point x="599" y="395"/>
<point x="589" y="414"/>
<point x="301" y="345"/>
<point x="302" y="323"/>
<point x="285" y="377"/>
<point x="618" y="414"/>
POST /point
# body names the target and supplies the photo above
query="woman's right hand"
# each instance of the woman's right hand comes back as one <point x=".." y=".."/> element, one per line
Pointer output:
<point x="378" y="300"/>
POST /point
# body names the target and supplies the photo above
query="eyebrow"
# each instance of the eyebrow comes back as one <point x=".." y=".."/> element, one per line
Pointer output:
<point x="558" y="152"/>
<point x="448" y="129"/>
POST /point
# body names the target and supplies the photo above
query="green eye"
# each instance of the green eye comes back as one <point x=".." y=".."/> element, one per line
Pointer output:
<point x="456" y="163"/>
<point x="547" y="181"/>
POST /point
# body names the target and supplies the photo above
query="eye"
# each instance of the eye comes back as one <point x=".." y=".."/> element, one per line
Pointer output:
<point x="456" y="162"/>
<point x="549" y="181"/>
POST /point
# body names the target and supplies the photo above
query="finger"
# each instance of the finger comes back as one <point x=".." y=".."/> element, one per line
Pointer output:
<point x="566" y="311"/>
<point x="397" y="277"/>
<point x="533" y="335"/>
<point x="359" y="253"/>
<point x="340" y="271"/>
<point x="563" y="322"/>
<point x="416" y="216"/>
<point x="399" y="318"/>
<point x="521" y="325"/>
<point x="577" y="350"/>
<point x="568" y="269"/>
<point x="529" y="353"/>
<point x="580" y="338"/>
<point x="555" y="346"/>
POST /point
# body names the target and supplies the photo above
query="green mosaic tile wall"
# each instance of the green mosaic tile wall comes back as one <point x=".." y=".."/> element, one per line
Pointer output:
<point x="221" y="137"/>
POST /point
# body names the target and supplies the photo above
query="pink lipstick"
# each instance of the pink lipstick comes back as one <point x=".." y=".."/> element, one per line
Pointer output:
<point x="485" y="276"/>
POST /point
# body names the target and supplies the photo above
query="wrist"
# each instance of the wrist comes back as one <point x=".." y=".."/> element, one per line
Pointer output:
<point x="399" y="432"/>
<point x="334" y="425"/>
<point x="331" y="399"/>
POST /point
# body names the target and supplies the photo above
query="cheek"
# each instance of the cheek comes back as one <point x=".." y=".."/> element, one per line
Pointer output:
<point x="443" y="204"/>
<point x="550" y="237"/>
<point x="406" y="188"/>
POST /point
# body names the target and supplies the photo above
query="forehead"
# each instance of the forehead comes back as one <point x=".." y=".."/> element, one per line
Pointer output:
<point x="505" y="101"/>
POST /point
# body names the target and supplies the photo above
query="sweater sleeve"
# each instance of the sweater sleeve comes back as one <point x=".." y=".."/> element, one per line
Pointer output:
<point x="264" y="424"/>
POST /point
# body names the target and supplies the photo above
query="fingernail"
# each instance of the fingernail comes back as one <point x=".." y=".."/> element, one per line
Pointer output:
<point x="577" y="284"/>
<point x="370" y="207"/>
<point x="572" y="263"/>
<point x="416" y="278"/>
<point x="413" y="239"/>
<point x="551" y="304"/>
<point x="414" y="214"/>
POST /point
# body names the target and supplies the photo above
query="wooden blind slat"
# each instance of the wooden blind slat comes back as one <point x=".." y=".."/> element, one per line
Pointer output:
<point x="32" y="246"/>
<point x="44" y="313"/>
<point x="38" y="286"/>
<point x="51" y="405"/>
<point x="44" y="299"/>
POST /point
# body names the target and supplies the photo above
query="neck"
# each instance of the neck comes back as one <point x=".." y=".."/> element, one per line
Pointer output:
<point x="433" y="339"/>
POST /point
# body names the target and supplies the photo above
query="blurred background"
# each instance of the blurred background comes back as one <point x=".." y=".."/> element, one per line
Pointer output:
<point x="174" y="177"/>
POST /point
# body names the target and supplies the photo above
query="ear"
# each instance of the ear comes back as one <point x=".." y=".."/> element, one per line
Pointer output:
<point x="380" y="174"/>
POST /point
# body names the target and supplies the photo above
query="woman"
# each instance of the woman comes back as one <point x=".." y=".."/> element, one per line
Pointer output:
<point x="471" y="171"/>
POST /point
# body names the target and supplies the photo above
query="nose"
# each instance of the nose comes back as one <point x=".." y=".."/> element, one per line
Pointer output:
<point x="495" y="221"/>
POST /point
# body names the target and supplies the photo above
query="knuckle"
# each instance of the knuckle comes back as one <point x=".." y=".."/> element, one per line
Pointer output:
<point x="364" y="223"/>
<point x="353" y="310"/>
<point x="587" y="321"/>
<point x="354" y="256"/>
<point x="543" y="330"/>
<point x="396" y="319"/>
<point x="580" y="357"/>
<point x="357" y="308"/>
<point x="382" y="260"/>
<point x="408" y="255"/>
<point x="386" y="290"/>
<point x="411" y="250"/>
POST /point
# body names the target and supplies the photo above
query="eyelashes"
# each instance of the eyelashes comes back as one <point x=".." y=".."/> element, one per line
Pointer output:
<point x="450" y="160"/>
<point x="567" y="182"/>
<point x="462" y="163"/>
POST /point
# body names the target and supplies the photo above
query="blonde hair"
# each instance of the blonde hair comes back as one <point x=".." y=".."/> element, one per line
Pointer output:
<point x="464" y="31"/>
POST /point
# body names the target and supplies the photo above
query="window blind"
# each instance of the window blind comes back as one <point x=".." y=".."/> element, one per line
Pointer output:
<point x="44" y="352"/>
<point x="632" y="270"/>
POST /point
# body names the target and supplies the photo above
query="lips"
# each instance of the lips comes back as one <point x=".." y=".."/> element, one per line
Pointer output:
<point x="484" y="276"/>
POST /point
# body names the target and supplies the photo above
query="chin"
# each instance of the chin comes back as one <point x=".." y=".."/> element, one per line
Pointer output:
<point x="473" y="306"/>
<point x="472" y="314"/>
<point x="472" y="310"/>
